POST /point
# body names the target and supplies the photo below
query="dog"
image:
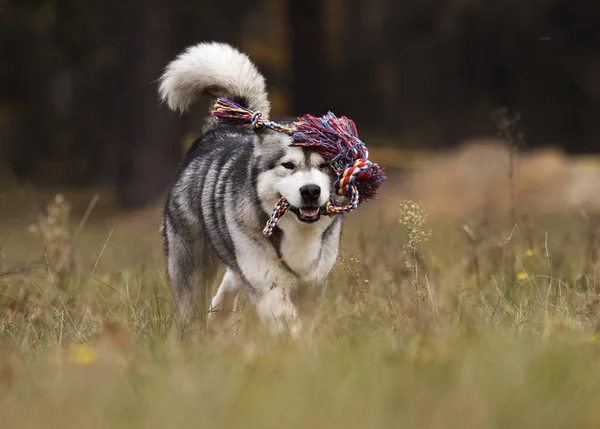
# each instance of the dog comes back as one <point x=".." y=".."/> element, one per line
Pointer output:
<point x="224" y="192"/>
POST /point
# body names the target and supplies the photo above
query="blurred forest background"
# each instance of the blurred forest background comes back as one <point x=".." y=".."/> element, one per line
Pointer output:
<point x="78" y="102"/>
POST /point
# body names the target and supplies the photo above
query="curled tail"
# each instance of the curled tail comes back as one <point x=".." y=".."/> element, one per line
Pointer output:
<point x="214" y="69"/>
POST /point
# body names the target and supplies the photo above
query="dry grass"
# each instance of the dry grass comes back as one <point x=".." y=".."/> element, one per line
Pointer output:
<point x="93" y="343"/>
<point x="473" y="178"/>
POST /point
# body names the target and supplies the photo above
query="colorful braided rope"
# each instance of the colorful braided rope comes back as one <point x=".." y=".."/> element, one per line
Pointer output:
<point x="230" y="112"/>
<point x="281" y="207"/>
<point x="335" y="139"/>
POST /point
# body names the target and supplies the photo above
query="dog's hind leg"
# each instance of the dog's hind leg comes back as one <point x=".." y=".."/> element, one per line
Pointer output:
<point x="192" y="270"/>
<point x="224" y="303"/>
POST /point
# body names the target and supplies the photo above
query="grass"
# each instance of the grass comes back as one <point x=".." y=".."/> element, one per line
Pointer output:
<point x="88" y="338"/>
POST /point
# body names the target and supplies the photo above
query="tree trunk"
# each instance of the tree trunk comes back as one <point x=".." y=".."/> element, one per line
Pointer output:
<point x="308" y="71"/>
<point x="153" y="146"/>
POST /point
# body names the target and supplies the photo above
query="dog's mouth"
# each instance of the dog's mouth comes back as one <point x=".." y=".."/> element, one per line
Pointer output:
<point x="307" y="214"/>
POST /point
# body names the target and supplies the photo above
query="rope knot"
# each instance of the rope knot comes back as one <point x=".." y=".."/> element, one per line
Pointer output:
<point x="255" y="120"/>
<point x="350" y="175"/>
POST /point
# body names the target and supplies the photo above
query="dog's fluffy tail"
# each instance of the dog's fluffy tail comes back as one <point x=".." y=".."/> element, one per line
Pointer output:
<point x="214" y="69"/>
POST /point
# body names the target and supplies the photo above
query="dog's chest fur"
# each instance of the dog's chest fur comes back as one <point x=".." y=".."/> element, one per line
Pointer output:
<point x="309" y="252"/>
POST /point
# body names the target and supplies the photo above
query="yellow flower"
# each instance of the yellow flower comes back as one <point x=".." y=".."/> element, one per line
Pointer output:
<point x="529" y="252"/>
<point x="522" y="276"/>
<point x="592" y="339"/>
<point x="81" y="354"/>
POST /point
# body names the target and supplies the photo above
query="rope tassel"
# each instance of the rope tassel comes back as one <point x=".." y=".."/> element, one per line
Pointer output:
<point x="335" y="139"/>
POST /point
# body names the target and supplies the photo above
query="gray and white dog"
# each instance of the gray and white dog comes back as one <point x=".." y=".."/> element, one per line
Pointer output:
<point x="225" y="190"/>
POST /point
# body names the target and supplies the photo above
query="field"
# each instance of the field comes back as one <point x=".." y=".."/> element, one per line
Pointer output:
<point x="479" y="322"/>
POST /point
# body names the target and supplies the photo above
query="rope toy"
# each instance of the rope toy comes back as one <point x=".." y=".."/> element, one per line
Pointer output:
<point x="335" y="139"/>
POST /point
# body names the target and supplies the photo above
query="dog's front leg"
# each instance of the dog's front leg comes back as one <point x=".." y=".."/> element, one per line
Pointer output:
<point x="308" y="299"/>
<point x="277" y="312"/>
<point x="269" y="284"/>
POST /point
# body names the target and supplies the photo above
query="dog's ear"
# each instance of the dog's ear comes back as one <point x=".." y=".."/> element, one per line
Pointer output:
<point x="272" y="139"/>
<point x="270" y="147"/>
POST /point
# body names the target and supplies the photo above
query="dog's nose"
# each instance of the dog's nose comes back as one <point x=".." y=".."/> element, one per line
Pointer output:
<point x="310" y="193"/>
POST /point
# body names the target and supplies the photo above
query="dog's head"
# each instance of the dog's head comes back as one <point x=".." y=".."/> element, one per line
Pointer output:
<point x="298" y="174"/>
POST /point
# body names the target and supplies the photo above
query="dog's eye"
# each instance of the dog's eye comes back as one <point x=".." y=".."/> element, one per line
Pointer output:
<point x="288" y="165"/>
<point x="324" y="165"/>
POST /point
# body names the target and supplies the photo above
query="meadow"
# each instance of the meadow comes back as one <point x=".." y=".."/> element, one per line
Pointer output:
<point x="480" y="322"/>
